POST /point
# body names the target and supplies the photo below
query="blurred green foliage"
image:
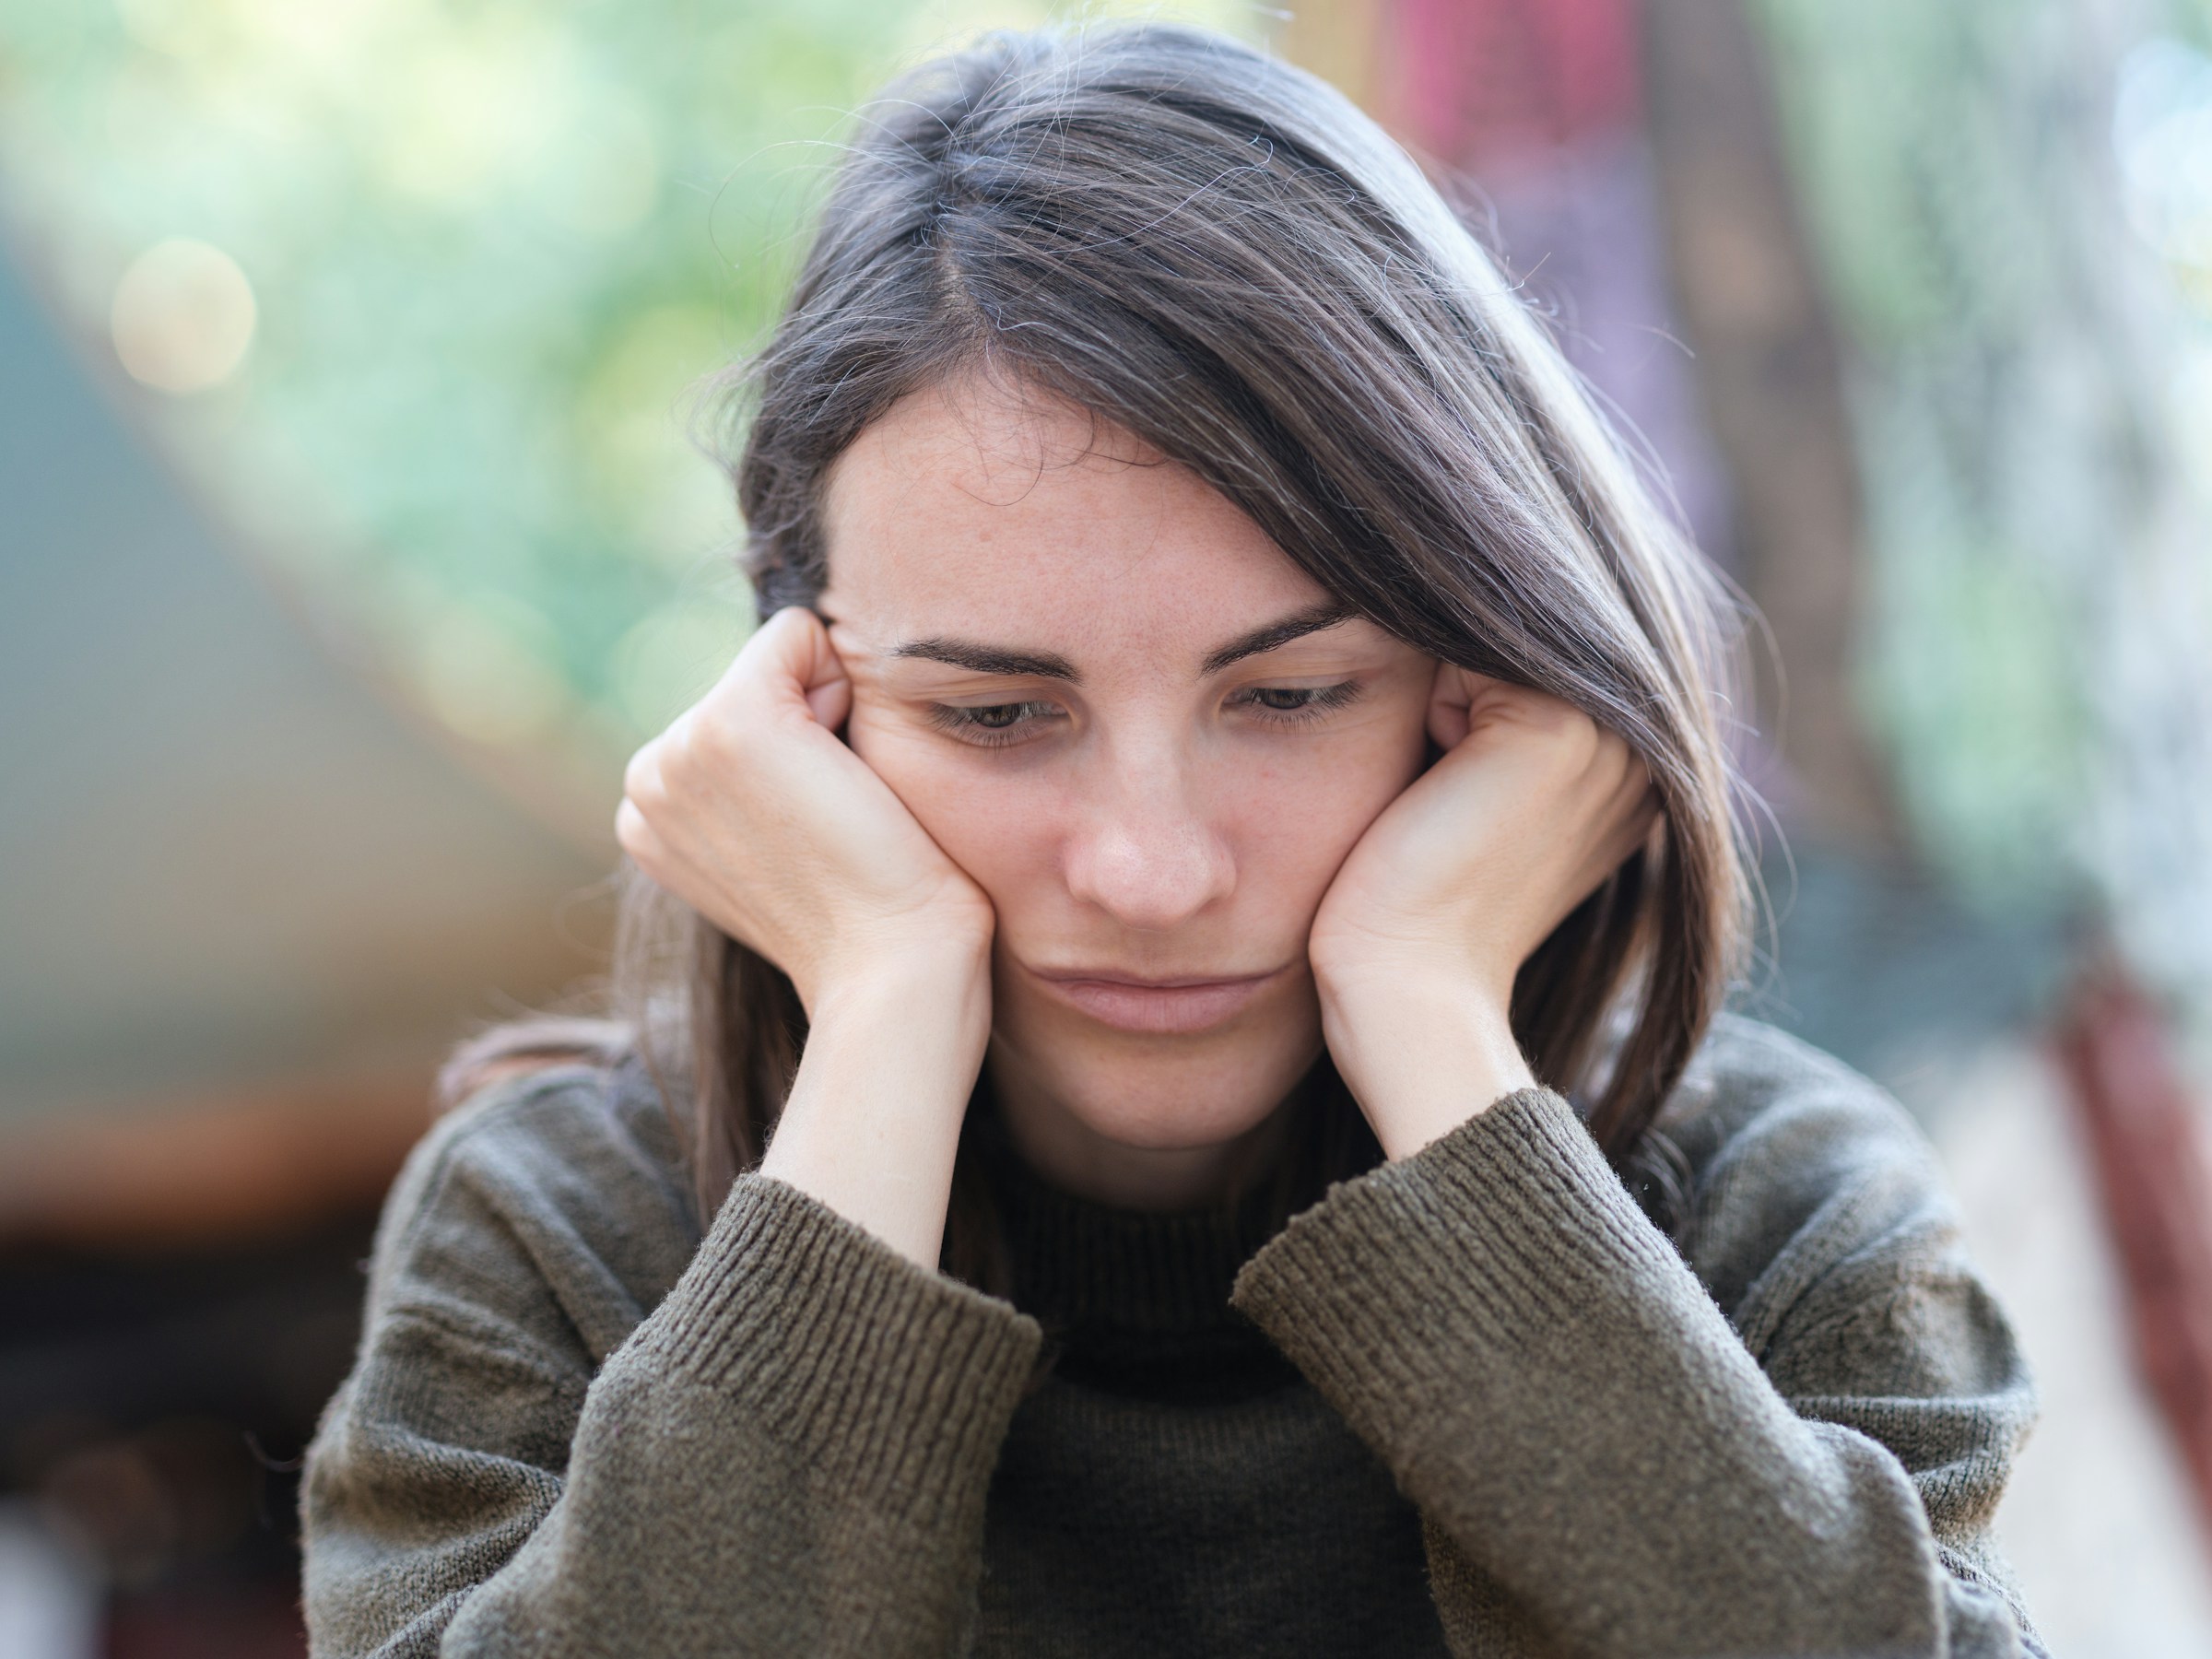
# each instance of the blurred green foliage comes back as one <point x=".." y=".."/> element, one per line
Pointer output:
<point x="2013" y="204"/>
<point x="491" y="248"/>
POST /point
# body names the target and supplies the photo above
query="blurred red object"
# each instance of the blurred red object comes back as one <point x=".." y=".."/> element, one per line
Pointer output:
<point x="245" y="1622"/>
<point x="2148" y="1143"/>
<point x="1484" y="78"/>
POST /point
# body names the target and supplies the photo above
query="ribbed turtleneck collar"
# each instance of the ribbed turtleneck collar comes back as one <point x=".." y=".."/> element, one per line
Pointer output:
<point x="1136" y="1301"/>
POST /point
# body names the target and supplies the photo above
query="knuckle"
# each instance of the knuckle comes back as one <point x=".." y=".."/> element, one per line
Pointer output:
<point x="649" y="791"/>
<point x="1609" y="755"/>
<point x="706" y="734"/>
<point x="672" y="776"/>
<point x="714" y="742"/>
<point x="633" y="834"/>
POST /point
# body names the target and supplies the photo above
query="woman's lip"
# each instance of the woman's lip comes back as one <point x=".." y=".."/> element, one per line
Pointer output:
<point x="1156" y="1008"/>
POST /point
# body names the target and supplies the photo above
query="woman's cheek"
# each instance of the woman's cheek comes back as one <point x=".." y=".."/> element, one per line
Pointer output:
<point x="981" y="815"/>
<point x="1298" y="818"/>
<point x="910" y="762"/>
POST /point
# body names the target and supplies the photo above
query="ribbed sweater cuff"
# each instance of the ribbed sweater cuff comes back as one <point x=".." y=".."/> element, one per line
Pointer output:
<point x="1488" y="1240"/>
<point x="895" y="1382"/>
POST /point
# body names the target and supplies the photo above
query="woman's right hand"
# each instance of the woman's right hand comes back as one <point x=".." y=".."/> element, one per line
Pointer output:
<point x="751" y="810"/>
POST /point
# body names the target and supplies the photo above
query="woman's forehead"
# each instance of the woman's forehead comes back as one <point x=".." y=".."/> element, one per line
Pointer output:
<point x="973" y="508"/>
<point x="998" y="434"/>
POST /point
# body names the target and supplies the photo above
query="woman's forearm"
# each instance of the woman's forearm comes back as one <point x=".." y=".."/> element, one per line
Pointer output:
<point x="1423" y="1049"/>
<point x="487" y="1484"/>
<point x="873" y="1123"/>
<point x="1588" y="1438"/>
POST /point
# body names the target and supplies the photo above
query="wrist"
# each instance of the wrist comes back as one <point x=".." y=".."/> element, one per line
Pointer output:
<point x="939" y="978"/>
<point x="939" y="954"/>
<point x="1422" y="1049"/>
<point x="872" y="1126"/>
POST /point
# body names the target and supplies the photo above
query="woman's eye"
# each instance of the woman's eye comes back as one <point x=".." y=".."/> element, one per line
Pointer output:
<point x="1293" y="702"/>
<point x="991" y="724"/>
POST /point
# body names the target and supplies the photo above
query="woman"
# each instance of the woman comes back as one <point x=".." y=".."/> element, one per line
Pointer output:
<point x="1227" y="725"/>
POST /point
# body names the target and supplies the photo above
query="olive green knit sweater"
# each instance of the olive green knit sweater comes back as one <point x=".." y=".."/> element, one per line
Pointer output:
<point x="1469" y="1403"/>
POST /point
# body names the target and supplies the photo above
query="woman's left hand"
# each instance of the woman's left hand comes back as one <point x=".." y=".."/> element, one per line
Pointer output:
<point x="1418" y="939"/>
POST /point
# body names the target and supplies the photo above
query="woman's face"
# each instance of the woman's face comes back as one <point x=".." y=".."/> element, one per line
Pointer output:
<point x="1147" y="734"/>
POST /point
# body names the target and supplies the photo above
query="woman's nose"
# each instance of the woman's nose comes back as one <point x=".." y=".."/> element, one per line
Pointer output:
<point x="1147" y="858"/>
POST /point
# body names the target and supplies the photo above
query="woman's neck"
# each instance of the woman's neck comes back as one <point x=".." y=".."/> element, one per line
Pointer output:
<point x="1076" y="1158"/>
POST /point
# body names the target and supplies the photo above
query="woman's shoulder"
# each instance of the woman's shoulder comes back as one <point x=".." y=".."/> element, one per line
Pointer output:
<point x="559" y="1184"/>
<point x="1751" y="1082"/>
<point x="1795" y="1164"/>
<point x="548" y="1123"/>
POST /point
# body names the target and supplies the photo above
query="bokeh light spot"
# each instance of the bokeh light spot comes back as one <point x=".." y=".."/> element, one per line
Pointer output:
<point x="183" y="317"/>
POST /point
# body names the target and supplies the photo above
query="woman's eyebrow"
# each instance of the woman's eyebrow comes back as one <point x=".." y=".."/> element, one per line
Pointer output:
<point x="990" y="659"/>
<point x="1276" y="633"/>
<point x="1045" y="665"/>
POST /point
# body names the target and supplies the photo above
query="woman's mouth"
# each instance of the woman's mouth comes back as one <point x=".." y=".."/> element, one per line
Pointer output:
<point x="1167" y="1007"/>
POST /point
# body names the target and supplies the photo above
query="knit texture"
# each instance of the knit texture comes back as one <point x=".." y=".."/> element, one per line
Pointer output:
<point x="1471" y="1402"/>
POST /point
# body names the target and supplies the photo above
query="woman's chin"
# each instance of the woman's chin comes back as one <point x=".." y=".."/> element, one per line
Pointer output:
<point x="1171" y="1122"/>
<point x="1164" y="1095"/>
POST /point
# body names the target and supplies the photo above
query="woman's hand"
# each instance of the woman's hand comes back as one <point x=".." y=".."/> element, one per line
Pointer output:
<point x="1417" y="942"/>
<point x="752" y="811"/>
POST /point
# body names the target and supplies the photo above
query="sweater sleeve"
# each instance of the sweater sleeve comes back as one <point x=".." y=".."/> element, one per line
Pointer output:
<point x="1601" y="1462"/>
<point x="788" y="1456"/>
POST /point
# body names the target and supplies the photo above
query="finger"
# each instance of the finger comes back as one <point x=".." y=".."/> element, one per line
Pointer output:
<point x="832" y="700"/>
<point x="771" y="661"/>
<point x="795" y="661"/>
<point x="1451" y="702"/>
<point x="1604" y="862"/>
<point x="642" y="778"/>
<point x="1633" y="832"/>
<point x="637" y="838"/>
<point x="822" y="678"/>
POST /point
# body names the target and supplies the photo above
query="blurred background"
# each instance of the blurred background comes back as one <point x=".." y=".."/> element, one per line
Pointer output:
<point x="351" y="538"/>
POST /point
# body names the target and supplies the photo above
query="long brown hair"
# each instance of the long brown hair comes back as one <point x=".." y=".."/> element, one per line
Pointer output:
<point x="1221" y="255"/>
